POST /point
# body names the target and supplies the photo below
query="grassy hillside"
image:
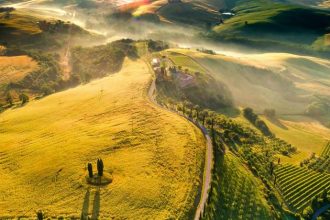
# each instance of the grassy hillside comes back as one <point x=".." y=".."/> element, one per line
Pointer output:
<point x="192" y="13"/>
<point x="195" y="13"/>
<point x="265" y="24"/>
<point x="306" y="134"/>
<point x="154" y="156"/>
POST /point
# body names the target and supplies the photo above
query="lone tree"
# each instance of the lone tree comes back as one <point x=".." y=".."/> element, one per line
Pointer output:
<point x="24" y="98"/>
<point x="100" y="167"/>
<point x="90" y="170"/>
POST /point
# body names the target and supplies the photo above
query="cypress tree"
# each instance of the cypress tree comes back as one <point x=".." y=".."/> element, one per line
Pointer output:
<point x="40" y="215"/>
<point x="90" y="170"/>
<point x="100" y="167"/>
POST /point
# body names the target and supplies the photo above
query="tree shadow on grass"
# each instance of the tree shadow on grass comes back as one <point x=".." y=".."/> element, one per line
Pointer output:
<point x="277" y="122"/>
<point x="96" y="205"/>
<point x="85" y="207"/>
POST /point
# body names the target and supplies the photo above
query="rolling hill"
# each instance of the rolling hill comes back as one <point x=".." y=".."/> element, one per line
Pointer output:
<point x="270" y="25"/>
<point x="155" y="157"/>
<point x="284" y="82"/>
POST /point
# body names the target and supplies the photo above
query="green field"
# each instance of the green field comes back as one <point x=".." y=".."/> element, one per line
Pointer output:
<point x="236" y="193"/>
<point x="155" y="157"/>
<point x="307" y="135"/>
<point x="299" y="185"/>
<point x="180" y="59"/>
<point x="261" y="24"/>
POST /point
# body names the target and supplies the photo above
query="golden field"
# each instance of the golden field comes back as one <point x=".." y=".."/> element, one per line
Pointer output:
<point x="154" y="156"/>
<point x="15" y="68"/>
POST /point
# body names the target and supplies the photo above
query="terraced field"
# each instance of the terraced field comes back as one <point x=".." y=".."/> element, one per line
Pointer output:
<point x="299" y="185"/>
<point x="326" y="150"/>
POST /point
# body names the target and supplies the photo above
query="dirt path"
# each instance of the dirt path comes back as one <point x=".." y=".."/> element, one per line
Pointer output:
<point x="208" y="157"/>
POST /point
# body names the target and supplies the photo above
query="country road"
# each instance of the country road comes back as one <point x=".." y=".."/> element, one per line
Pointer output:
<point x="208" y="154"/>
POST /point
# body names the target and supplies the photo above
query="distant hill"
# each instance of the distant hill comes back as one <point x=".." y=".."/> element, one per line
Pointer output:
<point x="314" y="3"/>
<point x="27" y="29"/>
<point x="264" y="24"/>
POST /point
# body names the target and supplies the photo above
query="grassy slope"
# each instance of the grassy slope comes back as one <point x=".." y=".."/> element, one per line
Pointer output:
<point x="307" y="135"/>
<point x="19" y="24"/>
<point x="192" y="13"/>
<point x="274" y="25"/>
<point x="155" y="156"/>
<point x="15" y="68"/>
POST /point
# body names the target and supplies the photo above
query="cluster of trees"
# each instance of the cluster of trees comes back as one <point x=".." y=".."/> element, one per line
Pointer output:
<point x="7" y="11"/>
<point x="317" y="203"/>
<point x="99" y="61"/>
<point x="100" y="168"/>
<point x="320" y="164"/>
<point x="155" y="46"/>
<point x="57" y="26"/>
<point x="207" y="51"/>
<point x="256" y="121"/>
<point x="45" y="80"/>
<point x="22" y="97"/>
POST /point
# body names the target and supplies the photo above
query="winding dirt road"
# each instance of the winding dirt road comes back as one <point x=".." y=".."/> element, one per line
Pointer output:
<point x="208" y="155"/>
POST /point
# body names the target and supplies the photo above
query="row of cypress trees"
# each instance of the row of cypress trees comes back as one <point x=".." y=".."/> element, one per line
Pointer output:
<point x="100" y="168"/>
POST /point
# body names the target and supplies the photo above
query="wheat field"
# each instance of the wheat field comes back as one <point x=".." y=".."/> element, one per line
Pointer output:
<point x="154" y="156"/>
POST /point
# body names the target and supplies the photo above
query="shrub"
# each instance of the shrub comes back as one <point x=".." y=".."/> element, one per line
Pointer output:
<point x="24" y="98"/>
